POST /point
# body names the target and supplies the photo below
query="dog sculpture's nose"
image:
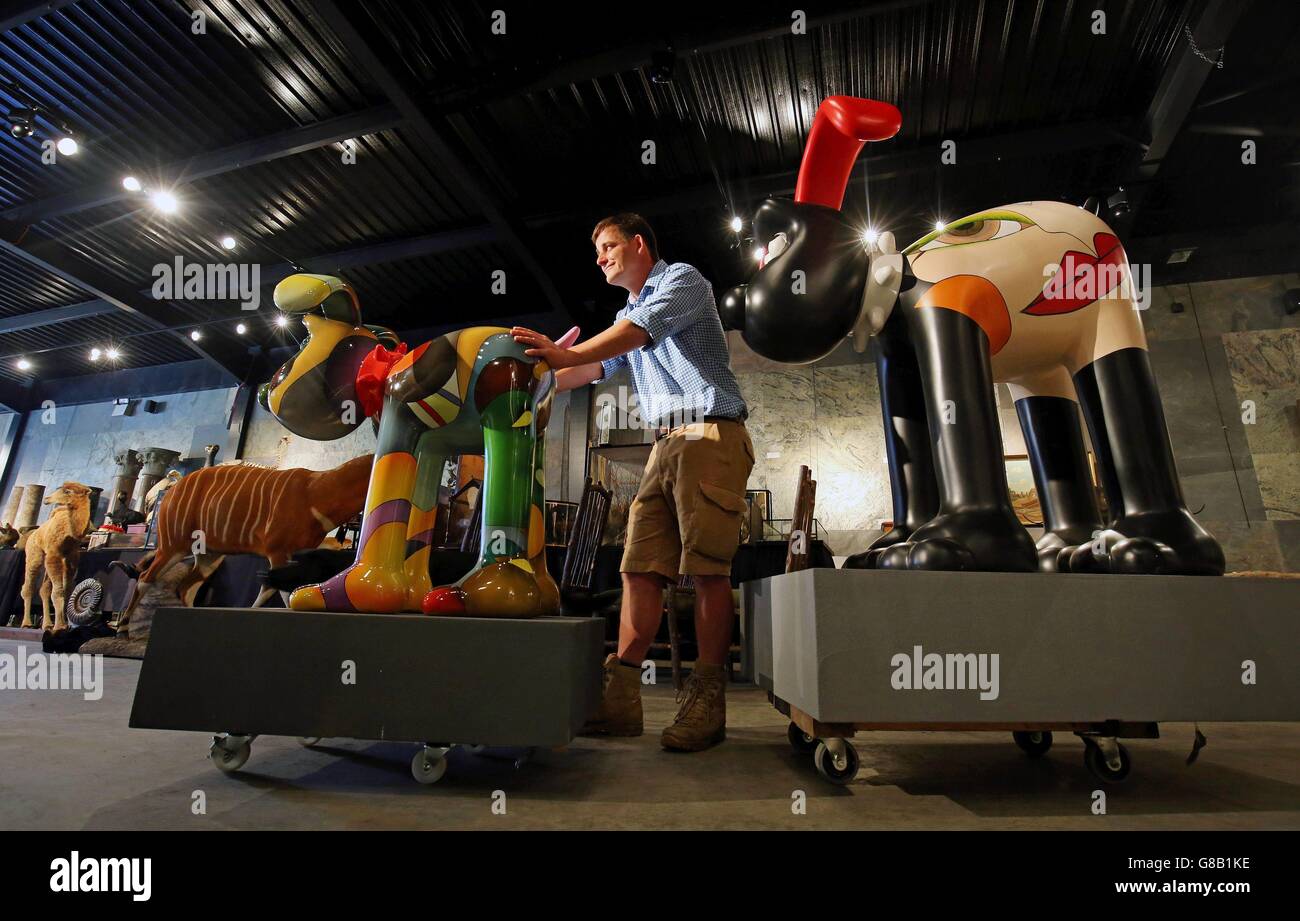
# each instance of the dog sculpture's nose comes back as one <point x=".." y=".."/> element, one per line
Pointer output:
<point x="732" y="308"/>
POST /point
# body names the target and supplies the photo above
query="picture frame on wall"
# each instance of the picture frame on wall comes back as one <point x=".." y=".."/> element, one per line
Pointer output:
<point x="1024" y="492"/>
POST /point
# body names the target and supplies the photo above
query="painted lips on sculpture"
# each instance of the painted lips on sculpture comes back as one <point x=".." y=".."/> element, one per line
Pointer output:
<point x="1082" y="278"/>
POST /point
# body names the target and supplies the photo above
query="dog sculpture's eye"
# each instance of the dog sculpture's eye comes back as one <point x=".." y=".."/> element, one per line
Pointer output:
<point x="974" y="229"/>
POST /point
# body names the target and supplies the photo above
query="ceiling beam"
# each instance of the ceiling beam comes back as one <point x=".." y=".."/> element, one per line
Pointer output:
<point x="23" y="13"/>
<point x="236" y="156"/>
<point x="374" y="61"/>
<point x="61" y="261"/>
<point x="1183" y="80"/>
<point x="487" y="85"/>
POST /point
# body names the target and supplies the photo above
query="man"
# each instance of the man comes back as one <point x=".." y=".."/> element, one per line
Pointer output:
<point x="685" y="518"/>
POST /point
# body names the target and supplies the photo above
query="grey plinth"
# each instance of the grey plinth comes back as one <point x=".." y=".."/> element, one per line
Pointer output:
<point x="11" y="508"/>
<point x="417" y="679"/>
<point x="29" y="510"/>
<point x="1071" y="648"/>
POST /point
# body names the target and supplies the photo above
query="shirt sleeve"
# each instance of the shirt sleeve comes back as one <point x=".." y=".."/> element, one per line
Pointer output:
<point x="682" y="297"/>
<point x="613" y="365"/>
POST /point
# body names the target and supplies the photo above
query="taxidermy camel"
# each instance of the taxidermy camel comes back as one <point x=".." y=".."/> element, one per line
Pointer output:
<point x="241" y="508"/>
<point x="1037" y="295"/>
<point x="53" y="551"/>
<point x="473" y="391"/>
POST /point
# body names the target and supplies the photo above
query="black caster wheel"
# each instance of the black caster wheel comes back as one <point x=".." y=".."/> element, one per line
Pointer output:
<point x="800" y="741"/>
<point x="1033" y="744"/>
<point x="230" y="753"/>
<point x="428" y="765"/>
<point x="1113" y="770"/>
<point x="838" y="764"/>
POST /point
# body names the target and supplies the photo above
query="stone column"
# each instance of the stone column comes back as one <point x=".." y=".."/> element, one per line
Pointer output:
<point x="128" y="468"/>
<point x="11" y="510"/>
<point x="30" y="510"/>
<point x="156" y="462"/>
<point x="95" y="493"/>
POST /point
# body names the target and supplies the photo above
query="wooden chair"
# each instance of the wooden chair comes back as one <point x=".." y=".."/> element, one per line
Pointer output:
<point x="584" y="545"/>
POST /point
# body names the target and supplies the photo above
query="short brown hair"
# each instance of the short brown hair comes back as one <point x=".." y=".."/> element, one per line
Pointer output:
<point x="629" y="225"/>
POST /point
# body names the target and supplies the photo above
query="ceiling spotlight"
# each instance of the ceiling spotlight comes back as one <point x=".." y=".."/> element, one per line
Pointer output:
<point x="241" y="328"/>
<point x="736" y="224"/>
<point x="759" y="253"/>
<point x="22" y="122"/>
<point x="165" y="202"/>
<point x="131" y="184"/>
<point x="67" y="146"/>
<point x="196" y="335"/>
<point x="281" y="321"/>
<point x="228" y="242"/>
<point x="113" y="354"/>
<point x="870" y="236"/>
<point x="24" y="364"/>
<point x="94" y="354"/>
<point x="939" y="226"/>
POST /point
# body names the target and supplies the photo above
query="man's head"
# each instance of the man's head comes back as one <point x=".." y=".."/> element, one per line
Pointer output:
<point x="626" y="250"/>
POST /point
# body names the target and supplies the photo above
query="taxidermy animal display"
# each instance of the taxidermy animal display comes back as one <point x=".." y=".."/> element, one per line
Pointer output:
<point x="473" y="391"/>
<point x="53" y="551"/>
<point x="241" y="508"/>
<point x="8" y="536"/>
<point x="1038" y="295"/>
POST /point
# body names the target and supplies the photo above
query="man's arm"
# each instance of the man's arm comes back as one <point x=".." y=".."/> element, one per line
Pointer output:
<point x="578" y="376"/>
<point x="619" y="339"/>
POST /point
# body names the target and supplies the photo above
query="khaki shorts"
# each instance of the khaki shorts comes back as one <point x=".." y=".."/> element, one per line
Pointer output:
<point x="686" y="516"/>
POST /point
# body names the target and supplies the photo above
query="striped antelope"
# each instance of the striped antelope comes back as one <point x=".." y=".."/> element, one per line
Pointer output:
<point x="240" y="508"/>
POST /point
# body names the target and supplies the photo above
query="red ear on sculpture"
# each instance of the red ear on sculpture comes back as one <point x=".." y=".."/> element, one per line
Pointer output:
<point x="842" y="125"/>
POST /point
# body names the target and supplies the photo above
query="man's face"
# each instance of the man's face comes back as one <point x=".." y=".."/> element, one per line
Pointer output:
<point x="616" y="255"/>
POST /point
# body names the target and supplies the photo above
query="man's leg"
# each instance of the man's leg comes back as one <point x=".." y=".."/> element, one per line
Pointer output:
<point x="643" y="610"/>
<point x="709" y="491"/>
<point x="715" y="613"/>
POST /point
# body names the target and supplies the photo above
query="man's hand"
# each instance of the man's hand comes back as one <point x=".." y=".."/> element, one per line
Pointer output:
<point x="542" y="347"/>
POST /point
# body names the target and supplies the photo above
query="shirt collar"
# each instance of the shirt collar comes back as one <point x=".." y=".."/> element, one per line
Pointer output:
<point x="652" y="281"/>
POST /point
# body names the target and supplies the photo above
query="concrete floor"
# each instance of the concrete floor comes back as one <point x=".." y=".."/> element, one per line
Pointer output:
<point x="68" y="763"/>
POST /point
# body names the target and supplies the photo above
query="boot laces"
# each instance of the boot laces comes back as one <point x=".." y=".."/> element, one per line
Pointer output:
<point x="687" y="698"/>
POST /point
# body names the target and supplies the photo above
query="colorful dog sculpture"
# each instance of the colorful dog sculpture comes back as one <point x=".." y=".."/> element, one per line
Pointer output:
<point x="469" y="392"/>
<point x="1037" y="295"/>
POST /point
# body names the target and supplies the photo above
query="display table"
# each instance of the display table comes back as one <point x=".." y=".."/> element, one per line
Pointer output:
<point x="92" y="563"/>
<point x="1102" y="655"/>
<point x="436" y="680"/>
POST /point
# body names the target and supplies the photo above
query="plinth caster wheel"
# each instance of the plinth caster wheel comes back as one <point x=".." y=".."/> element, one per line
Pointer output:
<point x="428" y="765"/>
<point x="800" y="741"/>
<point x="230" y="753"/>
<point x="1033" y="744"/>
<point x="308" y="741"/>
<point x="1108" y="767"/>
<point x="836" y="760"/>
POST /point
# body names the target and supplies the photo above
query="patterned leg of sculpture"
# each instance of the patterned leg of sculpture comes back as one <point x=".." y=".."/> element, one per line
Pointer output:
<point x="377" y="582"/>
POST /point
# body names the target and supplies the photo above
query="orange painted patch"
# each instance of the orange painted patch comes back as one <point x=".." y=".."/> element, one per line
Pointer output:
<point x="408" y="359"/>
<point x="977" y="298"/>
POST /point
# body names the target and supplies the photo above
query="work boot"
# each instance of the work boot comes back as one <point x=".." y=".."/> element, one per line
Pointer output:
<point x="701" y="720"/>
<point x="620" y="704"/>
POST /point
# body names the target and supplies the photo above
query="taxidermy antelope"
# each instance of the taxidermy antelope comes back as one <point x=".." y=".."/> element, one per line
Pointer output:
<point x="53" y="551"/>
<point x="1038" y="295"/>
<point x="240" y="508"/>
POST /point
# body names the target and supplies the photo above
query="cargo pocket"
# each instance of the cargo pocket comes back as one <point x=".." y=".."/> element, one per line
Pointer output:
<point x="715" y="528"/>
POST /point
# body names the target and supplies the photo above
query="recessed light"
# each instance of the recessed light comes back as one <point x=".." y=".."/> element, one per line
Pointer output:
<point x="228" y="242"/>
<point x="241" y="328"/>
<point x="165" y="202"/>
<point x="67" y="146"/>
<point x="196" y="335"/>
<point x="24" y="364"/>
<point x="131" y="184"/>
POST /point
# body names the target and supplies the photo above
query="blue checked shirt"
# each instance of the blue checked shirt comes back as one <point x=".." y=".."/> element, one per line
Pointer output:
<point x="684" y="372"/>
